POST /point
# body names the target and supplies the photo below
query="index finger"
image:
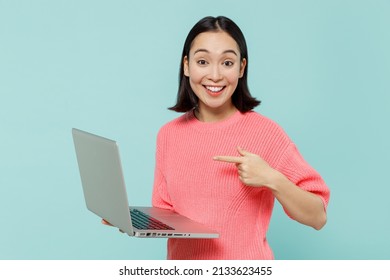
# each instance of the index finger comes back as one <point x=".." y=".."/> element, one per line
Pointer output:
<point x="230" y="159"/>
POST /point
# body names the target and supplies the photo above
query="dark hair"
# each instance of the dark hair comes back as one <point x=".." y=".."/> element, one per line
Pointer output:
<point x="241" y="98"/>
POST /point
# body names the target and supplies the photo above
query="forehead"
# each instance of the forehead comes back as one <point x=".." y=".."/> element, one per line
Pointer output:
<point x="214" y="42"/>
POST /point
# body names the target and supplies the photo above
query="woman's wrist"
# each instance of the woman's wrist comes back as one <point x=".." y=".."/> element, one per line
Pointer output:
<point x="276" y="181"/>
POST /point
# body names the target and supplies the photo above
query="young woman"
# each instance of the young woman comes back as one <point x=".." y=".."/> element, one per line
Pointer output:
<point x="222" y="164"/>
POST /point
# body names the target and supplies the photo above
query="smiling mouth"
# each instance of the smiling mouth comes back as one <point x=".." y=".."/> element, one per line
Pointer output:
<point x="214" y="90"/>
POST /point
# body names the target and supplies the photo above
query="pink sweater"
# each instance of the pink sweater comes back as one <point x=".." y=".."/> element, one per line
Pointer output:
<point x="189" y="181"/>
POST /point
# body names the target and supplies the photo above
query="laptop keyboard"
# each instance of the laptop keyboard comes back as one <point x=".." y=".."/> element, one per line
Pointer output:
<point x="143" y="221"/>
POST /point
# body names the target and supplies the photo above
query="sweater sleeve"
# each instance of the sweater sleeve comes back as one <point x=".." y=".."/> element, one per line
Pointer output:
<point x="299" y="172"/>
<point x="160" y="196"/>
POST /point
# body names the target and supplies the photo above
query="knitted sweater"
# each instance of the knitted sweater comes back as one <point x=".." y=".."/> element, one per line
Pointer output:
<point x="189" y="181"/>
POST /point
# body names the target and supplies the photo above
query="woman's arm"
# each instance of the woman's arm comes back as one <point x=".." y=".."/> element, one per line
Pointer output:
<point x="303" y="206"/>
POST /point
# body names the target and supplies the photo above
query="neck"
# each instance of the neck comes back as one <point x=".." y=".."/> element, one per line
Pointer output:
<point x="215" y="115"/>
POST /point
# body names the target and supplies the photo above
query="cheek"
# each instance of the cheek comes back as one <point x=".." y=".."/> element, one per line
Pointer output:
<point x="233" y="77"/>
<point x="195" y="82"/>
<point x="196" y="77"/>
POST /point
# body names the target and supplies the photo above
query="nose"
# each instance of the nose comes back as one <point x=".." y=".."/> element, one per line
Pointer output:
<point x="215" y="73"/>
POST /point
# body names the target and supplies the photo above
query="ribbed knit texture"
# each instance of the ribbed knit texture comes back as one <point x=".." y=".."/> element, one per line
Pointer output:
<point x="189" y="181"/>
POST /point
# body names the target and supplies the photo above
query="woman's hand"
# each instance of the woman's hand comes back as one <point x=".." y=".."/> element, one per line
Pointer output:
<point x="303" y="206"/>
<point x="252" y="169"/>
<point x="104" y="222"/>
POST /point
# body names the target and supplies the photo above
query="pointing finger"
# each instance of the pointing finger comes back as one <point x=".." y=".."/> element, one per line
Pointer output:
<point x="228" y="159"/>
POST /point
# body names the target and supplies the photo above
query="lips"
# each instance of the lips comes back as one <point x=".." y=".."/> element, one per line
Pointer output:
<point x="214" y="90"/>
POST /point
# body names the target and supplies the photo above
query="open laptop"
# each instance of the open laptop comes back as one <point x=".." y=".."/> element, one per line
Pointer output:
<point x="105" y="194"/>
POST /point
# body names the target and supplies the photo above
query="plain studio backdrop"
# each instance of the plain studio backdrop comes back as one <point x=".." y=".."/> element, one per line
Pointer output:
<point x="321" y="69"/>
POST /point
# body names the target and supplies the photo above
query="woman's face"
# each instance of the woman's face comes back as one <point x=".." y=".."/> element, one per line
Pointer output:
<point x="214" y="67"/>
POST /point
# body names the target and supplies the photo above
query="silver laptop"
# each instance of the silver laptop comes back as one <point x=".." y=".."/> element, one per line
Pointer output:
<point x="105" y="194"/>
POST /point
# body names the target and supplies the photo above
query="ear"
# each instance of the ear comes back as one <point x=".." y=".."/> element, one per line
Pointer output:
<point x="186" y="67"/>
<point x="242" y="67"/>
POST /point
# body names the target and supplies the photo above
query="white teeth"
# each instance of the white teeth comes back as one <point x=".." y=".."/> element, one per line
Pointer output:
<point x="214" y="89"/>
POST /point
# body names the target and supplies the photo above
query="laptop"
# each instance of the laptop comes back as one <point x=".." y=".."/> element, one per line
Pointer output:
<point x="105" y="194"/>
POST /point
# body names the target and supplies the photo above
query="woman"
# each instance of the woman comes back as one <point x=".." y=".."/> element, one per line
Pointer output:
<point x="222" y="164"/>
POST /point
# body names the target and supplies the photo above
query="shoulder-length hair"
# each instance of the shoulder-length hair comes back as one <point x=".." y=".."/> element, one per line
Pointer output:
<point x="241" y="98"/>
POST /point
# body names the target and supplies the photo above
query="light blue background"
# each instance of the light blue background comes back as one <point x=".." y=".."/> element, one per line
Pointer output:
<point x="321" y="69"/>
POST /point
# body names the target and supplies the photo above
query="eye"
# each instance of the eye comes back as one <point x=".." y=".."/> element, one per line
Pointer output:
<point x="202" y="62"/>
<point x="228" y="63"/>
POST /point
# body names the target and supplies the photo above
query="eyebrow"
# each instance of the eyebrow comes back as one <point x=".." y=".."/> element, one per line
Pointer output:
<point x="205" y="50"/>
